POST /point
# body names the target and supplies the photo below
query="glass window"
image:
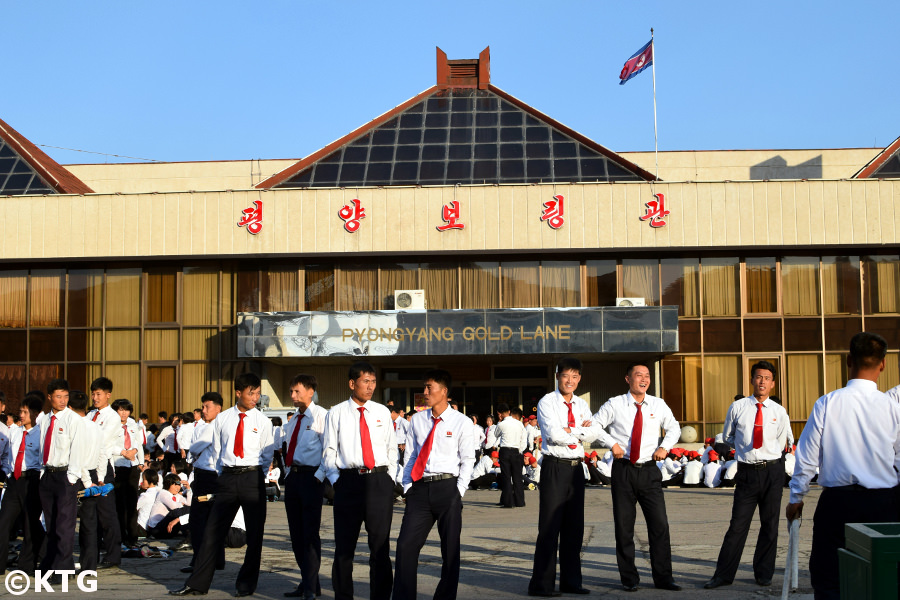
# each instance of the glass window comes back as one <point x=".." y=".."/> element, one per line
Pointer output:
<point x="480" y="285"/>
<point x="803" y="334"/>
<point x="561" y="283"/>
<point x="839" y="330"/>
<point x="682" y="386"/>
<point x="47" y="345"/>
<point x="602" y="287"/>
<point x="86" y="298"/>
<point x="804" y="384"/>
<point x="47" y="293"/>
<point x="882" y="278"/>
<point x="161" y="297"/>
<point x="201" y="296"/>
<point x="398" y="277"/>
<point x="890" y="377"/>
<point x="886" y="327"/>
<point x="800" y="285"/>
<point x="840" y="285"/>
<point x="836" y="375"/>
<point x="722" y="335"/>
<point x="520" y="284"/>
<point x="84" y="345"/>
<point x="123" y="293"/>
<point x="720" y="284"/>
<point x="127" y="384"/>
<point x="196" y="381"/>
<point x="40" y="375"/>
<point x="358" y="289"/>
<point x="228" y="312"/>
<point x="722" y="381"/>
<point x="200" y="344"/>
<point x="689" y="335"/>
<point x="762" y="335"/>
<point x="13" y="298"/>
<point x="680" y="284"/>
<point x="761" y="290"/>
<point x="640" y="279"/>
<point x="280" y="290"/>
<point x="122" y="345"/>
<point x="319" y="292"/>
<point x="247" y="291"/>
<point x="160" y="344"/>
<point x="12" y="346"/>
<point x="441" y="284"/>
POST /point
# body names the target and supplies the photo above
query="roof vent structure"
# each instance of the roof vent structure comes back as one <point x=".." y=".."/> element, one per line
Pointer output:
<point x="464" y="73"/>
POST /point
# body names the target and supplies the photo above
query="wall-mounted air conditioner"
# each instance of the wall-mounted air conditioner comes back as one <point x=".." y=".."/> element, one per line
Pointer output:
<point x="630" y="302"/>
<point x="409" y="299"/>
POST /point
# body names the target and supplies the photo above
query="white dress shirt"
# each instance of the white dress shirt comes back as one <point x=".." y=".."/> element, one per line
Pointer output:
<point x="145" y="504"/>
<point x="278" y="436"/>
<point x="490" y="437"/>
<point x="704" y="458"/>
<point x="165" y="502"/>
<point x="151" y="442"/>
<point x="693" y="472"/>
<point x="853" y="437"/>
<point x="273" y="475"/>
<point x="712" y="475"/>
<point x="739" y="425"/>
<point x="452" y="450"/>
<point x="201" y="452"/>
<point x="136" y="438"/>
<point x="731" y="468"/>
<point x="485" y="463"/>
<point x="894" y="393"/>
<point x="88" y="446"/>
<point x="310" y="439"/>
<point x="110" y="425"/>
<point x="259" y="446"/>
<point x="618" y="415"/>
<point x="511" y="434"/>
<point x="66" y="428"/>
<point x="789" y="463"/>
<point x="343" y="449"/>
<point x="401" y="427"/>
<point x="185" y="434"/>
<point x="553" y="418"/>
<point x="32" y="457"/>
<point x="477" y="437"/>
<point x="162" y="439"/>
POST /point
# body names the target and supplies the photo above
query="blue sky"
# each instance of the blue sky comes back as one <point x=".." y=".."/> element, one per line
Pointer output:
<point x="225" y="80"/>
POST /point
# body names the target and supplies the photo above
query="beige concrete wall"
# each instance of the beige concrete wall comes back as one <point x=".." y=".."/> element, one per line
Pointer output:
<point x="404" y="220"/>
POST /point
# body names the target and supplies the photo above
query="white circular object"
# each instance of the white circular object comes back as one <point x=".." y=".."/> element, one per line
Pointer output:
<point x="688" y="434"/>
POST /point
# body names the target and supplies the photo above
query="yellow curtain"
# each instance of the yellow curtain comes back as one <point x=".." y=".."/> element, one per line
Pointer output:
<point x="602" y="286"/>
<point x="690" y="294"/>
<point x="722" y="380"/>
<point x="12" y="383"/>
<point x="123" y="345"/>
<point x="195" y="382"/>
<point x="201" y="296"/>
<point x="887" y="277"/>
<point x="693" y="390"/>
<point x="126" y="383"/>
<point x="719" y="287"/>
<point x="123" y="298"/>
<point x="161" y="297"/>
<point x="282" y="291"/>
<point x="799" y="286"/>
<point x="560" y="283"/>
<point x="228" y="312"/>
<point x="319" y="289"/>
<point x="835" y="372"/>
<point x="398" y="277"/>
<point x="640" y="279"/>
<point x="46" y="295"/>
<point x="761" y="285"/>
<point x="441" y="285"/>
<point x="12" y="298"/>
<point x="160" y="344"/>
<point x="85" y="303"/>
<point x="890" y="377"/>
<point x="520" y="285"/>
<point x="831" y="288"/>
<point x="200" y="344"/>
<point x="804" y="384"/>
<point x="358" y="289"/>
<point x="480" y="285"/>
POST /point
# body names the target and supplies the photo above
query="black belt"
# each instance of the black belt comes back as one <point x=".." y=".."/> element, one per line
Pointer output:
<point x="49" y="469"/>
<point x="239" y="470"/>
<point x="433" y="478"/>
<point x="569" y="462"/>
<point x="365" y="471"/>
<point x="628" y="462"/>
<point x="763" y="464"/>
<point x="303" y="469"/>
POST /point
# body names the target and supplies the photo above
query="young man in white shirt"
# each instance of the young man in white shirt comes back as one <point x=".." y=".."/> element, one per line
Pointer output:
<point x="242" y="439"/>
<point x="168" y="510"/>
<point x="128" y="474"/>
<point x="511" y="441"/>
<point x="439" y="463"/>
<point x="634" y="420"/>
<point x="712" y="472"/>
<point x="110" y="425"/>
<point x="149" y="480"/>
<point x="360" y="457"/>
<point x="304" y="483"/>
<point x="90" y="447"/>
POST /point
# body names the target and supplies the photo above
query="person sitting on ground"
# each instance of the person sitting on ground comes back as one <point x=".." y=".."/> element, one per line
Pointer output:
<point x="693" y="470"/>
<point x="169" y="510"/>
<point x="237" y="533"/>
<point x="729" y="471"/>
<point x="149" y="479"/>
<point x="532" y="473"/>
<point x="484" y="476"/>
<point x="712" y="472"/>
<point x="273" y="489"/>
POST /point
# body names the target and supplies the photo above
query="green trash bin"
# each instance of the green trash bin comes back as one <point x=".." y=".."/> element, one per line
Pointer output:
<point x="868" y="564"/>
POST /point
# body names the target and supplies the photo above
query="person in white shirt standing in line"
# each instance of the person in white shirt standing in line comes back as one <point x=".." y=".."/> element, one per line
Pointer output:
<point x="304" y="484"/>
<point x="634" y="420"/>
<point x="110" y="424"/>
<point x="853" y="437"/>
<point x="127" y="473"/>
<point x="91" y="452"/>
<point x="511" y="441"/>
<point x="758" y="428"/>
<point x="360" y="456"/>
<point x="439" y="462"/>
<point x="242" y="441"/>
<point x="565" y="424"/>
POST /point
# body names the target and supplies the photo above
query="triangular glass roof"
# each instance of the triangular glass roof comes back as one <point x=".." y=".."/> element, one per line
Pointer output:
<point x="465" y="136"/>
<point x="886" y="164"/>
<point x="889" y="168"/>
<point x="17" y="177"/>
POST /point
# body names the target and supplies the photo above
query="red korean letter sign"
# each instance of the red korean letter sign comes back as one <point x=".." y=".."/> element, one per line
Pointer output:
<point x="351" y="214"/>
<point x="252" y="217"/>
<point x="450" y="215"/>
<point x="656" y="211"/>
<point x="554" y="211"/>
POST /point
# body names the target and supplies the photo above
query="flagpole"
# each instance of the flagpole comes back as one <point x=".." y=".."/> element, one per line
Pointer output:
<point x="655" y="136"/>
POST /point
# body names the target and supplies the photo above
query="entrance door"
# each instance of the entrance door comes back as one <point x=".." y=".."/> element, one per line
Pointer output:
<point x="160" y="391"/>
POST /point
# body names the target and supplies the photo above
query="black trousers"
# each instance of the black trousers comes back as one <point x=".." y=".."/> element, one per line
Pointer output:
<point x="161" y="529"/>
<point x="22" y="499"/>
<point x="110" y="535"/>
<point x="235" y="490"/>
<point x="58" y="502"/>
<point x="631" y="485"/>
<point x="88" y="528"/>
<point x="362" y="499"/>
<point x="427" y="503"/>
<point x="303" y="504"/>
<point x="205" y="482"/>
<point x="512" y="482"/>
<point x="753" y="488"/>
<point x="836" y="508"/>
<point x="483" y="482"/>
<point x="127" y="483"/>
<point x="560" y="526"/>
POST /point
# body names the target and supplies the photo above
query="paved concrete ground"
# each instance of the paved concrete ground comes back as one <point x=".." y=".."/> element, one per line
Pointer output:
<point x="497" y="551"/>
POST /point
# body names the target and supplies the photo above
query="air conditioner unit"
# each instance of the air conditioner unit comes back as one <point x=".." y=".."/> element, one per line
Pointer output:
<point x="630" y="302"/>
<point x="409" y="299"/>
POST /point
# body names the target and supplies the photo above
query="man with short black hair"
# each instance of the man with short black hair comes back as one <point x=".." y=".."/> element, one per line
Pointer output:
<point x="109" y="423"/>
<point x="634" y="420"/>
<point x="853" y="437"/>
<point x="511" y="441"/>
<point x="127" y="473"/>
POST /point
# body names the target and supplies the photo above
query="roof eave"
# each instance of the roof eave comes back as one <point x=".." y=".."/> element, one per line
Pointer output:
<point x="57" y="176"/>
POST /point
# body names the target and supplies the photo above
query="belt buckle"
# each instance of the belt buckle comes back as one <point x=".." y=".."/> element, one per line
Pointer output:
<point x="362" y="471"/>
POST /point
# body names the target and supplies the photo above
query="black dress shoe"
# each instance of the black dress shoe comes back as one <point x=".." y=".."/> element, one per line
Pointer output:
<point x="544" y="594"/>
<point x="298" y="593"/>
<point x="186" y="591"/>
<point x="187" y="569"/>
<point x="105" y="564"/>
<point x="630" y="588"/>
<point x="671" y="586"/>
<point x="715" y="582"/>
<point x="763" y="582"/>
<point x="573" y="590"/>
<point x="242" y="593"/>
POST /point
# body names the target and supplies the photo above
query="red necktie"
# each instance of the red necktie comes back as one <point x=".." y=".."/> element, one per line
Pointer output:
<point x="238" y="437"/>
<point x="144" y="433"/>
<point x="395" y="425"/>
<point x="636" y="434"/>
<point x="365" y="440"/>
<point x="571" y="422"/>
<point x="96" y="414"/>
<point x="422" y="459"/>
<point x="48" y="439"/>
<point x="127" y="437"/>
<point x="20" y="456"/>
<point x="293" y="445"/>
<point x="240" y="428"/>
<point x="758" y="427"/>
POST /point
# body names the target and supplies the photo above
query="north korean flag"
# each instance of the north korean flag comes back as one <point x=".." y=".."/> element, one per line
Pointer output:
<point x="639" y="61"/>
